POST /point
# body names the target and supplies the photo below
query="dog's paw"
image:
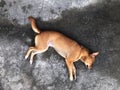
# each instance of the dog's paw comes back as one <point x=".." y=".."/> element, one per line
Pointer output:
<point x="75" y="77"/>
<point x="31" y="62"/>
<point x="71" y="78"/>
<point x="26" y="57"/>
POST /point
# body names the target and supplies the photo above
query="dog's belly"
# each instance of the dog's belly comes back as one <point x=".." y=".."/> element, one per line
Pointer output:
<point x="60" y="52"/>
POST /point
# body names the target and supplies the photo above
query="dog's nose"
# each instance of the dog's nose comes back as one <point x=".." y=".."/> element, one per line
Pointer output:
<point x="87" y="66"/>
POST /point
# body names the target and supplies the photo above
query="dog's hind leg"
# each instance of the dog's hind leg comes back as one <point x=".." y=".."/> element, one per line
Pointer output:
<point x="29" y="51"/>
<point x="36" y="51"/>
<point x="31" y="57"/>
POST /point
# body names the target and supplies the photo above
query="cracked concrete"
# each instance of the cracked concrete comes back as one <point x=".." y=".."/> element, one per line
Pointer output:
<point x="93" y="23"/>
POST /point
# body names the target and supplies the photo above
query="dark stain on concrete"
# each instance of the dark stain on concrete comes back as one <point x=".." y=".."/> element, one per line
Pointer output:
<point x="2" y="3"/>
<point x="26" y="8"/>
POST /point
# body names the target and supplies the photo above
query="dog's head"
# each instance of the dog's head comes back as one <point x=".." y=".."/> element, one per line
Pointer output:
<point x="90" y="60"/>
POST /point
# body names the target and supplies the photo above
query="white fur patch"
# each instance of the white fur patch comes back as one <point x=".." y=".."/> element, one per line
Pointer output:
<point x="50" y="43"/>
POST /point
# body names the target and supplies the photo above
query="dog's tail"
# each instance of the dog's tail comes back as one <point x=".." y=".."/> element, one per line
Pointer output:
<point x="33" y="24"/>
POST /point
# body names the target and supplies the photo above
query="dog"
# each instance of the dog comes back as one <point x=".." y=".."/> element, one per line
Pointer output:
<point x="66" y="47"/>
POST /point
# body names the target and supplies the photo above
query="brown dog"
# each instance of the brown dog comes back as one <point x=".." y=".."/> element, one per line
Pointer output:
<point x="66" y="47"/>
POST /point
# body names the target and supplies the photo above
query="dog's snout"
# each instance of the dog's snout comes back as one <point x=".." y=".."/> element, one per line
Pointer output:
<point x="88" y="66"/>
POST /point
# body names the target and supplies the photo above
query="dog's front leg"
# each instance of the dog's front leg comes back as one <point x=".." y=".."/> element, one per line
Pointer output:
<point x="74" y="71"/>
<point x="70" y="68"/>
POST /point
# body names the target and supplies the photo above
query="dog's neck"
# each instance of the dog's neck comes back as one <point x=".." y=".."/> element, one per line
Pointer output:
<point x="84" y="55"/>
<point x="83" y="58"/>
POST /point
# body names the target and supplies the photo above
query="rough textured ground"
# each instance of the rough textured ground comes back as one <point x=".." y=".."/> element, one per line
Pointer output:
<point x="93" y="23"/>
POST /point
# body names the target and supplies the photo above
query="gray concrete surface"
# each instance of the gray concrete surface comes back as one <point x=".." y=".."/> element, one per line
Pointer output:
<point x="93" y="23"/>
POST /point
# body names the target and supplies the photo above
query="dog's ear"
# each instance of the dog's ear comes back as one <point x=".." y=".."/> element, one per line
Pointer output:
<point x="94" y="54"/>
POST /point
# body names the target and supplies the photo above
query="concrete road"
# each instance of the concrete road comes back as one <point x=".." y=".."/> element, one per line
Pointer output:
<point x="92" y="23"/>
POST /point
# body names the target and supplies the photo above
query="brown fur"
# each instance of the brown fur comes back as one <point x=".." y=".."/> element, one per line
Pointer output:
<point x="66" y="47"/>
